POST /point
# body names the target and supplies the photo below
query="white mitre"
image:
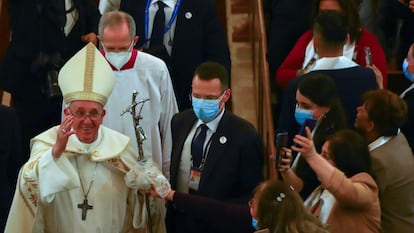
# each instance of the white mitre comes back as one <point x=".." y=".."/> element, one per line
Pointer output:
<point x="86" y="76"/>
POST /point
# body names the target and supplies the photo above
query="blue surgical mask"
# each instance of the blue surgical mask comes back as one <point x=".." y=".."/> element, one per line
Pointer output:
<point x="302" y="114"/>
<point x="254" y="224"/>
<point x="205" y="109"/>
<point x="407" y="74"/>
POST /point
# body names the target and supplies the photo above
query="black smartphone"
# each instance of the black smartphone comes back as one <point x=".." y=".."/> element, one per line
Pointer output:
<point x="311" y="123"/>
<point x="281" y="141"/>
<point x="368" y="56"/>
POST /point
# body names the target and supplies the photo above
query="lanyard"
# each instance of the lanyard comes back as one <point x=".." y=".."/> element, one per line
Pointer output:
<point x="170" y="22"/>
<point x="204" y="154"/>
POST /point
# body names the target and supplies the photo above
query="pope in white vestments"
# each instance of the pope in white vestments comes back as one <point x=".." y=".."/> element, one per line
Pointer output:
<point x="82" y="176"/>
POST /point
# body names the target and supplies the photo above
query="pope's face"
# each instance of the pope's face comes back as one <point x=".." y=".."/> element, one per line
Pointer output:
<point x="88" y="116"/>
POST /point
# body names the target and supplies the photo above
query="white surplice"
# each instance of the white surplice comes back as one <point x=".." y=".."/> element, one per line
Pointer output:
<point x="149" y="76"/>
<point x="49" y="189"/>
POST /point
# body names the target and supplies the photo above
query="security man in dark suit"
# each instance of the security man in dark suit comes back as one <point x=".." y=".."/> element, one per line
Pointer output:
<point x="215" y="153"/>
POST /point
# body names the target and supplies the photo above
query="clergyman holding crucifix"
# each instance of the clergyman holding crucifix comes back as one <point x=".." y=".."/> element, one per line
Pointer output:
<point x="82" y="176"/>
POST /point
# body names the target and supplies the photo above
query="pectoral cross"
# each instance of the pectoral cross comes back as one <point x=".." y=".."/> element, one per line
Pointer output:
<point x="85" y="207"/>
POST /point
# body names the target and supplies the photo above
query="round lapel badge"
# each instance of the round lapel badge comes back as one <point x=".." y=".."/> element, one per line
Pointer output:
<point x="223" y="139"/>
<point x="188" y="15"/>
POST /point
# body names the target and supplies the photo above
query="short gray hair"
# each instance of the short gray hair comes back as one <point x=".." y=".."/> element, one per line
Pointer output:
<point x="115" y="18"/>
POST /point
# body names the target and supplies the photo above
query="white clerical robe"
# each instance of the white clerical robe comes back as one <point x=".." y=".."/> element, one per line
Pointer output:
<point x="149" y="76"/>
<point x="49" y="190"/>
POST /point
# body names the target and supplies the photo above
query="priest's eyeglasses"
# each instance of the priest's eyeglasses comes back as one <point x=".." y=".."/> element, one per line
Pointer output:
<point x="94" y="115"/>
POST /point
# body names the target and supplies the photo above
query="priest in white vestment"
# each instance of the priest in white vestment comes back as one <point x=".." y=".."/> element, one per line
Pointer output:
<point x="82" y="176"/>
<point x="146" y="74"/>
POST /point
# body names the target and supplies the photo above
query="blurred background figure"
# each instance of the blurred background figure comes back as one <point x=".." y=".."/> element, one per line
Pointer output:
<point x="408" y="96"/>
<point x="303" y="55"/>
<point x="44" y="34"/>
<point x="10" y="158"/>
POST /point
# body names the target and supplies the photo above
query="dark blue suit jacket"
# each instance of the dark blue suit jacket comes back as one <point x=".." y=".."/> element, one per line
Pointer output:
<point x="197" y="39"/>
<point x="231" y="171"/>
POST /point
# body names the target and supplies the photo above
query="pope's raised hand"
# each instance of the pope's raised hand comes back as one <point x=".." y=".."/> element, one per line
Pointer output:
<point x="63" y="133"/>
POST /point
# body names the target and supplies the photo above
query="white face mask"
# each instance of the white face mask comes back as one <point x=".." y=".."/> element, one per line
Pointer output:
<point x="119" y="59"/>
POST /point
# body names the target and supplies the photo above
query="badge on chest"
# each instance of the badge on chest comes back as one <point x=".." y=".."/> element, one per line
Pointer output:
<point x="194" y="179"/>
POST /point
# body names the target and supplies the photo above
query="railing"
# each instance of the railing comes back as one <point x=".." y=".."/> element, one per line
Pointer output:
<point x="262" y="83"/>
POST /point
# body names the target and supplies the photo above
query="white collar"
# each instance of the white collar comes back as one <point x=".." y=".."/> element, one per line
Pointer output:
<point x="169" y="3"/>
<point x="378" y="142"/>
<point x="333" y="63"/>
<point x="328" y="202"/>
<point x="88" y="146"/>
<point x="212" y="125"/>
<point x="348" y="51"/>
<point x="407" y="90"/>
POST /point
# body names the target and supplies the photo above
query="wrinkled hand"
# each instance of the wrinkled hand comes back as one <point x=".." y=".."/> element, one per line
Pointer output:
<point x="307" y="149"/>
<point x="64" y="131"/>
<point x="285" y="160"/>
<point x="90" y="38"/>
<point x="378" y="76"/>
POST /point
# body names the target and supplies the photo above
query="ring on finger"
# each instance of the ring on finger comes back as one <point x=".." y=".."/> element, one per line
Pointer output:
<point x="63" y="131"/>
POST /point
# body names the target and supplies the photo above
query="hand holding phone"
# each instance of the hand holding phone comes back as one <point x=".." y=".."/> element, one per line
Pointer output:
<point x="281" y="141"/>
<point x="368" y="56"/>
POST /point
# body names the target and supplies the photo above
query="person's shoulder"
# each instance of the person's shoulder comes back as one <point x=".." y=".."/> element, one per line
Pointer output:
<point x="183" y="115"/>
<point x="356" y="72"/>
<point x="307" y="36"/>
<point x="367" y="38"/>
<point x="148" y="60"/>
<point x="238" y="122"/>
<point x="365" y="34"/>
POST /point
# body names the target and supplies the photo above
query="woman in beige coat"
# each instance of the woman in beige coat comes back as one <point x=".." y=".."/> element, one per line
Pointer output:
<point x="347" y="200"/>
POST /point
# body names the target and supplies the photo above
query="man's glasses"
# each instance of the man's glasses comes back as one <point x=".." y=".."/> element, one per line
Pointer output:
<point x="81" y="115"/>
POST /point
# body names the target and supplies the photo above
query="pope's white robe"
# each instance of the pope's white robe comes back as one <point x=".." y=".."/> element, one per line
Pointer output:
<point x="149" y="76"/>
<point x="49" y="190"/>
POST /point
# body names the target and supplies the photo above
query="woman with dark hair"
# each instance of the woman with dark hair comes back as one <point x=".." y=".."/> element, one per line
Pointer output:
<point x="319" y="105"/>
<point x="303" y="54"/>
<point x="347" y="199"/>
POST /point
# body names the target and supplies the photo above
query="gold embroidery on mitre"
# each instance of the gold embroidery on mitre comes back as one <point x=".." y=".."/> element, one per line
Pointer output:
<point x="90" y="61"/>
<point x="85" y="96"/>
